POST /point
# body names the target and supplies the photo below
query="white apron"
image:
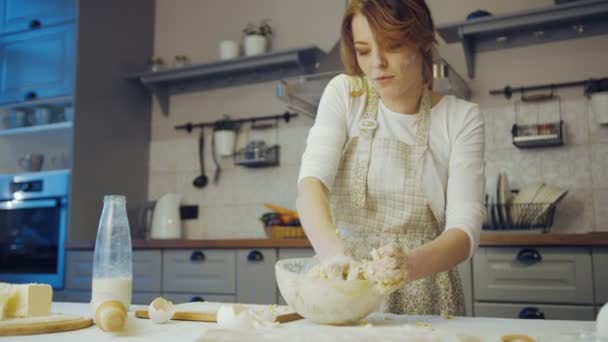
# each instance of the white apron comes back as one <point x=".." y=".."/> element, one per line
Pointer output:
<point x="378" y="199"/>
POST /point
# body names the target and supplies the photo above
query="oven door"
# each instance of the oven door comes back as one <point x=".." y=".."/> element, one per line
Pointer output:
<point x="32" y="236"/>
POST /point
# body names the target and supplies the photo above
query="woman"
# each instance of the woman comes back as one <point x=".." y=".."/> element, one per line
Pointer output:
<point x="394" y="162"/>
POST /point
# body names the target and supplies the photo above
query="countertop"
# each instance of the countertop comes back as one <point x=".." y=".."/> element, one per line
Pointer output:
<point x="381" y="327"/>
<point x="487" y="240"/>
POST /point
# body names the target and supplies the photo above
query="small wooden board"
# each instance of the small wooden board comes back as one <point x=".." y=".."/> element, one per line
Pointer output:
<point x="43" y="324"/>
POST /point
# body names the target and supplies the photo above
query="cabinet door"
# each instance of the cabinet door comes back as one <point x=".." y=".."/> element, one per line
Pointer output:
<point x="178" y="298"/>
<point x="77" y="296"/>
<point x="553" y="312"/>
<point x="20" y="15"/>
<point x="79" y="270"/>
<point x="37" y="64"/>
<point x="537" y="275"/>
<point x="600" y="275"/>
<point x="143" y="298"/>
<point x="255" y="276"/>
<point x="199" y="271"/>
<point x="147" y="274"/>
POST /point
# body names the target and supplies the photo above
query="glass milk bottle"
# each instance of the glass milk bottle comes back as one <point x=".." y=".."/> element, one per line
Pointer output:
<point x="112" y="264"/>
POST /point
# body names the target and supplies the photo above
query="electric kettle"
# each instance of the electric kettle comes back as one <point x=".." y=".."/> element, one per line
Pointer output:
<point x="166" y="222"/>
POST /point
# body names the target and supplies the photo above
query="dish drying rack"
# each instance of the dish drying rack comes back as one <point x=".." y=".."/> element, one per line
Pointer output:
<point x="519" y="216"/>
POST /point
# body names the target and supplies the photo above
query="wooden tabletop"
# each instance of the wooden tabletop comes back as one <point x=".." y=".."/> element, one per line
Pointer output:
<point x="487" y="240"/>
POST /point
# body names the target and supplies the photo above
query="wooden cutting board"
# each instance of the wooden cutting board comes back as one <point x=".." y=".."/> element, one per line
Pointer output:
<point x="43" y="324"/>
<point x="206" y="312"/>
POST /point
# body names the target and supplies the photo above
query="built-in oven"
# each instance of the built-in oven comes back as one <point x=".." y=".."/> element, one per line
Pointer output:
<point x="33" y="227"/>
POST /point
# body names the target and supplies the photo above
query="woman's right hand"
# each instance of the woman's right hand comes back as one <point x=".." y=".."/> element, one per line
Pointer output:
<point x="387" y="269"/>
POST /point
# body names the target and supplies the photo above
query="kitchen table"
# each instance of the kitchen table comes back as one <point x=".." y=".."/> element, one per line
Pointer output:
<point x="378" y="327"/>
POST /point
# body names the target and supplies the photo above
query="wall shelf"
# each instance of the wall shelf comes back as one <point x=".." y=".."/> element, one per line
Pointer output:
<point x="60" y="126"/>
<point x="577" y="19"/>
<point x="239" y="71"/>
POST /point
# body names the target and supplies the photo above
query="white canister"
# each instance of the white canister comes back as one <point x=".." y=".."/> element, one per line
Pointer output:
<point x="224" y="141"/>
<point x="254" y="44"/>
<point x="229" y="49"/>
<point x="599" y="106"/>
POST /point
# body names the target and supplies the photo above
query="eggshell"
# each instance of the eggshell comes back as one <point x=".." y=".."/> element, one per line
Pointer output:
<point x="160" y="310"/>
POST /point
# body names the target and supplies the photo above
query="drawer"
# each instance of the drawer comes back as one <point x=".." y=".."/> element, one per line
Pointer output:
<point x="600" y="274"/>
<point x="147" y="272"/>
<point x="79" y="270"/>
<point x="553" y="312"/>
<point x="143" y="298"/>
<point x="199" y="271"/>
<point x="255" y="276"/>
<point x="289" y="253"/>
<point x="178" y="298"/>
<point x="539" y="275"/>
<point x="77" y="296"/>
<point x="57" y="295"/>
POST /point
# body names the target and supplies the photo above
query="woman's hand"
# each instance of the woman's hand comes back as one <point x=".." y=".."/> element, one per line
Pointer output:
<point x="338" y="267"/>
<point x="388" y="268"/>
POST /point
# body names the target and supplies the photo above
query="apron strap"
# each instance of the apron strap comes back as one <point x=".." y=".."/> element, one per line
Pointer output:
<point x="367" y="127"/>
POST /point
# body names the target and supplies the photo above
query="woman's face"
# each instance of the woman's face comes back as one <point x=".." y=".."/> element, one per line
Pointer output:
<point x="394" y="71"/>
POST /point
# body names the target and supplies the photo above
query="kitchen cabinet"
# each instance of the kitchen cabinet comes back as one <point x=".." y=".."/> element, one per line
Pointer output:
<point x="538" y="275"/>
<point x="255" y="276"/>
<point x="197" y="297"/>
<point x="22" y="15"/>
<point x="37" y="64"/>
<point x="600" y="275"/>
<point x="540" y="311"/>
<point x="290" y="253"/>
<point x="199" y="271"/>
<point x="143" y="298"/>
<point x="79" y="275"/>
<point x="79" y="270"/>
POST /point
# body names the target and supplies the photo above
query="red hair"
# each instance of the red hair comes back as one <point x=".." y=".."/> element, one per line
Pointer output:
<point x="393" y="22"/>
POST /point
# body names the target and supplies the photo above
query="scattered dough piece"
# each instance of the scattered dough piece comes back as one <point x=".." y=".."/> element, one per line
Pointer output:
<point x="516" y="338"/>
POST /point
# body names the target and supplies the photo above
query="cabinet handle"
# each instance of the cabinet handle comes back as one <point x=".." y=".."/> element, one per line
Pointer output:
<point x="197" y="299"/>
<point x="531" y="313"/>
<point x="197" y="256"/>
<point x="34" y="24"/>
<point x="529" y="256"/>
<point x="30" y="95"/>
<point x="255" y="256"/>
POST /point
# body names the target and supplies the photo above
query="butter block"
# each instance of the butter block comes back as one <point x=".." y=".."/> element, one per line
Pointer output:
<point x="27" y="300"/>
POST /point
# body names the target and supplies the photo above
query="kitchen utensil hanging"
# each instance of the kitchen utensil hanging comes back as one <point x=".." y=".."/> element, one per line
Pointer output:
<point x="202" y="180"/>
<point x="544" y="134"/>
<point x="257" y="153"/>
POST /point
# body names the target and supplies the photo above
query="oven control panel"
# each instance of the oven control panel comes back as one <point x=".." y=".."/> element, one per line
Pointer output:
<point x="31" y="186"/>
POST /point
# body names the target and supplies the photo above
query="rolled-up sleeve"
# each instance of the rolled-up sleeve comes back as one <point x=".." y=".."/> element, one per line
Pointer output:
<point x="328" y="135"/>
<point x="466" y="179"/>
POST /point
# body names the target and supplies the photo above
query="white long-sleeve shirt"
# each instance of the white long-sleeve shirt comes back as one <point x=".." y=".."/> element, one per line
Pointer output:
<point x="453" y="170"/>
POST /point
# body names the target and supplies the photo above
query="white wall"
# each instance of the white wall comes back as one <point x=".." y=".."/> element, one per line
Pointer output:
<point x="232" y="208"/>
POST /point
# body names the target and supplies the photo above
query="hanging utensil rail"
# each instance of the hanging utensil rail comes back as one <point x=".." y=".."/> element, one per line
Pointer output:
<point x="190" y="126"/>
<point x="590" y="86"/>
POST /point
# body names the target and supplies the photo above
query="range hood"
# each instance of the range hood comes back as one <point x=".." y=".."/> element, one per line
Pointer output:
<point x="303" y="93"/>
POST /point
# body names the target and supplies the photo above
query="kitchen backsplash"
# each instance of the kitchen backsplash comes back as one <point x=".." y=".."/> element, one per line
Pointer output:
<point x="231" y="208"/>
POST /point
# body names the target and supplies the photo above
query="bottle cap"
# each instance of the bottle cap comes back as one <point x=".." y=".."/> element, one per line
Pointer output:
<point x="111" y="316"/>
